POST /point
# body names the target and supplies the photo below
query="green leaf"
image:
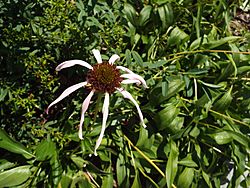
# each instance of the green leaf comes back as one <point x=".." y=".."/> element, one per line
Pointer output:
<point x="145" y="143"/>
<point x="45" y="150"/>
<point x="209" y="96"/>
<point x="172" y="164"/>
<point x="240" y="70"/>
<point x="92" y="21"/>
<point x="207" y="179"/>
<point x="166" y="15"/>
<point x="24" y="48"/>
<point x="169" y="15"/>
<point x="197" y="71"/>
<point x="164" y="86"/>
<point x="175" y="85"/>
<point x="241" y="138"/>
<point x="188" y="161"/>
<point x="144" y="15"/>
<point x="4" y="164"/>
<point x="223" y="103"/>
<point x="66" y="178"/>
<point x="233" y="63"/>
<point x="227" y="72"/>
<point x="3" y="93"/>
<point x="210" y="85"/>
<point x="128" y="57"/>
<point x="136" y="39"/>
<point x="108" y="180"/>
<point x="80" y="162"/>
<point x="80" y="5"/>
<point x="216" y="43"/>
<point x="130" y="13"/>
<point x="81" y="180"/>
<point x="157" y="64"/>
<point x="162" y="14"/>
<point x="56" y="169"/>
<point x="136" y="182"/>
<point x="177" y="36"/>
<point x="175" y="126"/>
<point x="143" y="137"/>
<point x="122" y="172"/>
<point x="198" y="19"/>
<point x="195" y="132"/>
<point x="222" y="137"/>
<point x="240" y="158"/>
<point x="103" y="155"/>
<point x="9" y="144"/>
<point x="137" y="58"/>
<point x="185" y="179"/>
<point x="165" y="117"/>
<point x="34" y="27"/>
<point x="15" y="176"/>
<point x="196" y="44"/>
<point x="160" y="2"/>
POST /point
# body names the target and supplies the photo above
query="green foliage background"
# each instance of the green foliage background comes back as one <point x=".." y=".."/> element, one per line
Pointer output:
<point x="197" y="108"/>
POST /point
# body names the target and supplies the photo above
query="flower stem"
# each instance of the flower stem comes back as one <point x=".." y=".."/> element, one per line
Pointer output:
<point x="97" y="106"/>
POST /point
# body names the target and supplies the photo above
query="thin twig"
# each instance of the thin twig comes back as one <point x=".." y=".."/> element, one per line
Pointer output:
<point x="235" y="120"/>
<point x="211" y="51"/>
<point x="146" y="158"/>
<point x="223" y="115"/>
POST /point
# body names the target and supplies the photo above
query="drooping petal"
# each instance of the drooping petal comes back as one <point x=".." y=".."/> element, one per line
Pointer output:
<point x="129" y="96"/>
<point x="128" y="81"/>
<point x="113" y="58"/>
<point x="66" y="92"/>
<point x="135" y="77"/>
<point x="85" y="106"/>
<point x="97" y="55"/>
<point x="105" y="111"/>
<point x="71" y="63"/>
<point x="125" y="69"/>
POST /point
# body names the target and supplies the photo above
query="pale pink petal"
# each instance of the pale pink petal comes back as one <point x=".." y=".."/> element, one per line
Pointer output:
<point x="85" y="106"/>
<point x="129" y="96"/>
<point x="128" y="81"/>
<point x="105" y="111"/>
<point x="125" y="69"/>
<point x="113" y="58"/>
<point x="68" y="91"/>
<point x="132" y="76"/>
<point x="97" y="55"/>
<point x="135" y="77"/>
<point x="71" y="63"/>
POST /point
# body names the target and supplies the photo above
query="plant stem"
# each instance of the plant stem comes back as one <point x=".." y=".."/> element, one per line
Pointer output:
<point x="146" y="158"/>
<point x="211" y="51"/>
<point x="235" y="120"/>
<point x="97" y="106"/>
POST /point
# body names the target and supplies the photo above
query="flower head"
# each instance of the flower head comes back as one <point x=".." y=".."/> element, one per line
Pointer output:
<point x="103" y="77"/>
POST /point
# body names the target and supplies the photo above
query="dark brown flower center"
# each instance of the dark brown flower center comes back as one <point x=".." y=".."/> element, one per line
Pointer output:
<point x="104" y="77"/>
